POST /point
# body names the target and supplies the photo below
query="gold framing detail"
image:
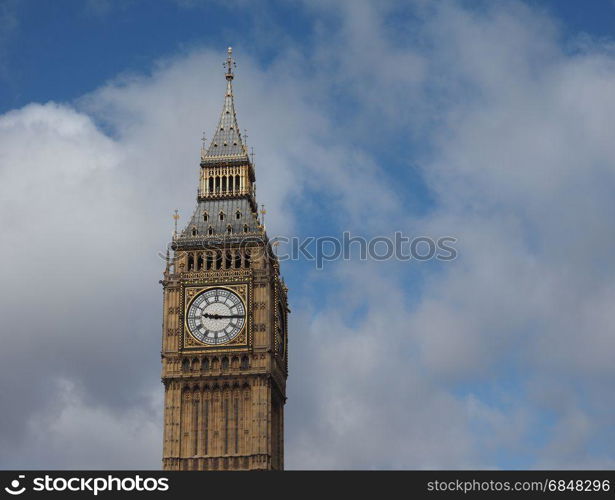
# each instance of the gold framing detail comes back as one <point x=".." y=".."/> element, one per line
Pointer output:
<point x="242" y="341"/>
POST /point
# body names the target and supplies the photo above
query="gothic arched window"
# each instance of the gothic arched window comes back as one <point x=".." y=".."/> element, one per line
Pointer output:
<point x="205" y="216"/>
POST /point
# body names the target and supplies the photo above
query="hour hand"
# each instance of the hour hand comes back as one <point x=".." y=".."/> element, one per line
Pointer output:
<point x="220" y="316"/>
<point x="212" y="316"/>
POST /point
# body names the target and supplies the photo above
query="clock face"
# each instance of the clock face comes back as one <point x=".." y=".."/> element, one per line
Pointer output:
<point x="216" y="316"/>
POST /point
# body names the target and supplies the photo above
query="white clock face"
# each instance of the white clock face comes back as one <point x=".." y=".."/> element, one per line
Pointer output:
<point x="216" y="316"/>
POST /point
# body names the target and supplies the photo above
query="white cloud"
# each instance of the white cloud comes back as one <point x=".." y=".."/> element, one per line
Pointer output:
<point x="522" y="168"/>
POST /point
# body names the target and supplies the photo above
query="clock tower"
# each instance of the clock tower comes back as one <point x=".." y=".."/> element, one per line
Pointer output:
<point x="224" y="342"/>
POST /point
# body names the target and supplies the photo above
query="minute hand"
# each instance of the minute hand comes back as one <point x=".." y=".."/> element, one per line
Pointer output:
<point x="220" y="316"/>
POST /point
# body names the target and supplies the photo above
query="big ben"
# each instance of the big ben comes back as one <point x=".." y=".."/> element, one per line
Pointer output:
<point x="224" y="344"/>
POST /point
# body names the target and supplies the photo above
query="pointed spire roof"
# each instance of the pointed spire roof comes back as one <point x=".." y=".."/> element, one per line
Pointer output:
<point x="227" y="141"/>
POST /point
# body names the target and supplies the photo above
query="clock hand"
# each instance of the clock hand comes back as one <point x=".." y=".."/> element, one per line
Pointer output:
<point x="212" y="316"/>
<point x="219" y="316"/>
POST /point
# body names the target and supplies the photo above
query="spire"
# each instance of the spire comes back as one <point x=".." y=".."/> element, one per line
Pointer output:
<point x="227" y="139"/>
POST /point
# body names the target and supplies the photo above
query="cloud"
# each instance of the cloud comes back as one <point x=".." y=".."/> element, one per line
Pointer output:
<point x="521" y="169"/>
<point x="505" y="352"/>
<point x="86" y="194"/>
<point x="73" y="432"/>
<point x="69" y="222"/>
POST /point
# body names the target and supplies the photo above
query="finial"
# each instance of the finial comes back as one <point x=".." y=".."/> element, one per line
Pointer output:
<point x="263" y="212"/>
<point x="176" y="218"/>
<point x="203" y="147"/>
<point x="230" y="64"/>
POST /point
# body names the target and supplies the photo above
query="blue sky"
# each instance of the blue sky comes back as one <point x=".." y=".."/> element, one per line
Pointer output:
<point x="486" y="121"/>
<point x="44" y="62"/>
<point x="61" y="50"/>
